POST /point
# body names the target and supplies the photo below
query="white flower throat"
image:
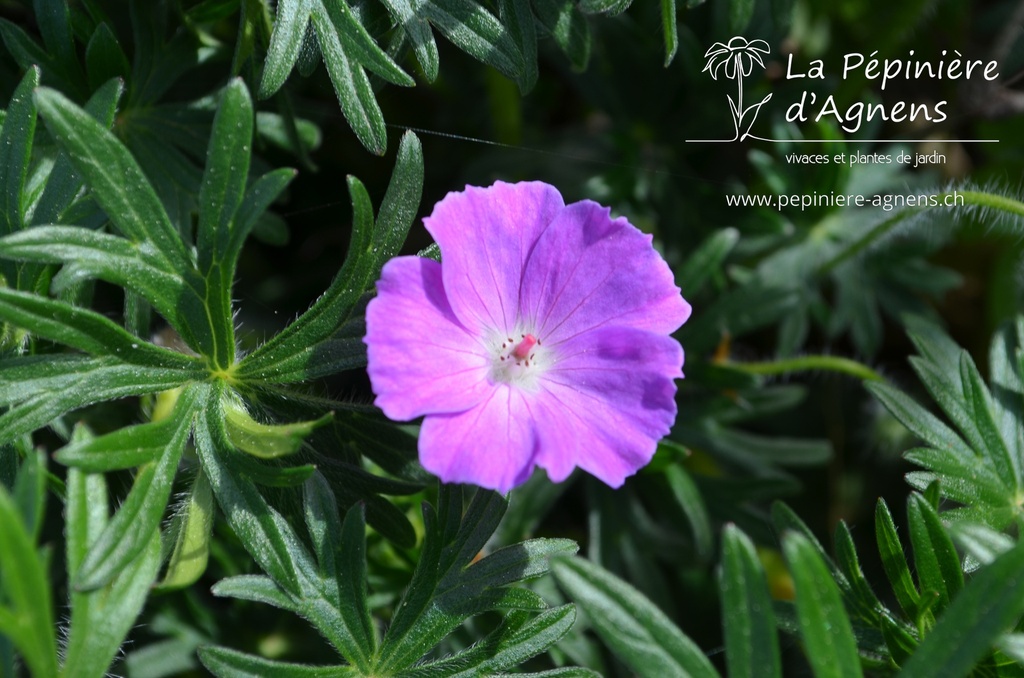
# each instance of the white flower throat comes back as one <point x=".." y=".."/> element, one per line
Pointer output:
<point x="517" y="358"/>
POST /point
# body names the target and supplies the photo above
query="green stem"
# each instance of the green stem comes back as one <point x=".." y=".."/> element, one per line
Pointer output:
<point x="992" y="201"/>
<point x="808" y="363"/>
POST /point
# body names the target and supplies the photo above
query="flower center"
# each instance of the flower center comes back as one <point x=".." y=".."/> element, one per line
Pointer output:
<point x="517" y="360"/>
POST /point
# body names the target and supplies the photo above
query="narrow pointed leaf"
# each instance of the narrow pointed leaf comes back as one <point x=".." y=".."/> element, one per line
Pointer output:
<point x="938" y="566"/>
<point x="15" y="152"/>
<point x="30" y="491"/>
<point x="370" y="248"/>
<point x="257" y="588"/>
<point x="990" y="605"/>
<point x="569" y="28"/>
<point x="983" y="413"/>
<point x="265" y="534"/>
<point x="517" y="15"/>
<point x="86" y="331"/>
<point x="101" y="619"/>
<point x="267" y="441"/>
<point x="285" y="44"/>
<point x="27" y="617"/>
<point x="475" y="31"/>
<point x="671" y="33"/>
<point x="192" y="545"/>
<point x="64" y="182"/>
<point x="96" y="380"/>
<point x="226" y="663"/>
<point x="138" y="519"/>
<point x="921" y="422"/>
<point x="418" y="31"/>
<point x="358" y="43"/>
<point x="629" y="624"/>
<point x="828" y="638"/>
<point x="116" y="181"/>
<point x="751" y="642"/>
<point x="358" y="102"/>
<point x="894" y="561"/>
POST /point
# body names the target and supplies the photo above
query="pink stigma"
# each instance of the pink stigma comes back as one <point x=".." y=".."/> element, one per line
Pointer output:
<point x="523" y="348"/>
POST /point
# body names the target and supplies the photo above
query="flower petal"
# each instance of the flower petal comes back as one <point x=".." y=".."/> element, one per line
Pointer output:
<point x="485" y="236"/>
<point x="589" y="271"/>
<point x="606" y="405"/>
<point x="491" y="445"/>
<point x="419" y="357"/>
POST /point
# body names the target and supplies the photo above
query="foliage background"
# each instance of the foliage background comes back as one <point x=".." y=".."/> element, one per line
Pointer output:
<point x="769" y="410"/>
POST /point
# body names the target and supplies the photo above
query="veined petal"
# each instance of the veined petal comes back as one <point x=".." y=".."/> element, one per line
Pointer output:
<point x="607" y="403"/>
<point x="491" y="445"/>
<point x="419" y="356"/>
<point x="590" y="271"/>
<point x="485" y="236"/>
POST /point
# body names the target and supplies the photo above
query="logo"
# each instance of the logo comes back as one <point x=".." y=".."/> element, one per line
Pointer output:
<point x="735" y="60"/>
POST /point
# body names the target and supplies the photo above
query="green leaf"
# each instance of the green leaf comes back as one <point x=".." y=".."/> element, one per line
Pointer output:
<point x="829" y="643"/>
<point x="922" y="423"/>
<point x="341" y="551"/>
<point x="265" y="534"/>
<point x="518" y="18"/>
<point x="15" y="153"/>
<point x="990" y="605"/>
<point x="980" y="542"/>
<point x="740" y="13"/>
<point x="267" y="441"/>
<point x="894" y="562"/>
<point x="419" y="34"/>
<point x="983" y="411"/>
<point x="30" y="55"/>
<point x="518" y="639"/>
<point x="668" y="23"/>
<point x="117" y="183"/>
<point x="108" y="257"/>
<point x="568" y="26"/>
<point x="285" y="357"/>
<point x="261" y="194"/>
<point x="629" y="624"/>
<point x="610" y="7"/>
<point x="63" y="182"/>
<point x="194" y="524"/>
<point x="346" y="48"/>
<point x="27" y="616"/>
<point x="58" y="385"/>
<point x="475" y="31"/>
<point x="30" y="491"/>
<point x="751" y="644"/>
<point x="227" y="663"/>
<point x="256" y="588"/>
<point x="100" y="619"/>
<point x="104" y="58"/>
<point x="861" y="597"/>
<point x="967" y="481"/>
<point x="938" y="566"/>
<point x="54" y="22"/>
<point x="707" y="260"/>
<point x="221" y="195"/>
<point x="691" y="503"/>
<point x="122" y="449"/>
<point x="138" y="520"/>
<point x="88" y="331"/>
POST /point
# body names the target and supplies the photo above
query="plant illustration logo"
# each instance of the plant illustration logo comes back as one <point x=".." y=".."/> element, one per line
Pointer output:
<point x="736" y="60"/>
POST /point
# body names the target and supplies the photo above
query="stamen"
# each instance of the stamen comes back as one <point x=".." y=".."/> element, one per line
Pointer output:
<point x="523" y="348"/>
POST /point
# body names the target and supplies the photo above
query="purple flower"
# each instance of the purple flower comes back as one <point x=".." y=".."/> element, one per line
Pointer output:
<point x="542" y="339"/>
